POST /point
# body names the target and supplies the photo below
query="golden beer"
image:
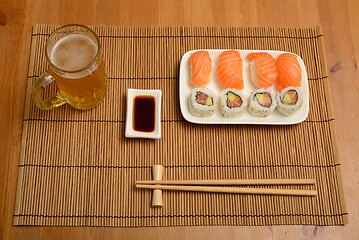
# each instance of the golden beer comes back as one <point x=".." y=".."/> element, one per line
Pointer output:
<point x="75" y="58"/>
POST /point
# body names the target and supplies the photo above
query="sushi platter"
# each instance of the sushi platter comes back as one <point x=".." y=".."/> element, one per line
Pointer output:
<point x="216" y="116"/>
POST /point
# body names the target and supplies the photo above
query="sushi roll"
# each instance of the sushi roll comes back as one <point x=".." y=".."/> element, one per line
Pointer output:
<point x="202" y="102"/>
<point x="261" y="103"/>
<point x="233" y="102"/>
<point x="290" y="100"/>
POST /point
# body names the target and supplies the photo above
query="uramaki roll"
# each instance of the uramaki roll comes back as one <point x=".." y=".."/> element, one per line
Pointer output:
<point x="290" y="100"/>
<point x="233" y="102"/>
<point x="262" y="102"/>
<point x="202" y="102"/>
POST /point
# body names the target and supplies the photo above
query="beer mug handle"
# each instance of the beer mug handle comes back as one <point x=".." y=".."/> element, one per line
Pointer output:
<point x="38" y="88"/>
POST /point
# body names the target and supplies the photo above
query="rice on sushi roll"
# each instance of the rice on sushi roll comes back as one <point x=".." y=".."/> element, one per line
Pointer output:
<point x="233" y="102"/>
<point x="202" y="102"/>
<point x="261" y="103"/>
<point x="290" y="100"/>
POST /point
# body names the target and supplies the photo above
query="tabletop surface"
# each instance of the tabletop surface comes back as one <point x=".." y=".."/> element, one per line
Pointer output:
<point x="340" y="24"/>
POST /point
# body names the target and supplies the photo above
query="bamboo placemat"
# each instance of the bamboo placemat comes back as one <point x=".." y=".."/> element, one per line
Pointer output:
<point x="77" y="168"/>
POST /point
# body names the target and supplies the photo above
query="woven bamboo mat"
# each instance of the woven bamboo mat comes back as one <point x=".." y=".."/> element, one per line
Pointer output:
<point x="78" y="169"/>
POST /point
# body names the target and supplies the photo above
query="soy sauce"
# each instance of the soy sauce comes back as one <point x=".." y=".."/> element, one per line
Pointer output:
<point x="144" y="114"/>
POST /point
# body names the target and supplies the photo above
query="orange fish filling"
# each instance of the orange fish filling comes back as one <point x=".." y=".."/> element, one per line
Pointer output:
<point x="264" y="99"/>
<point x="290" y="97"/>
<point x="233" y="100"/>
<point x="204" y="99"/>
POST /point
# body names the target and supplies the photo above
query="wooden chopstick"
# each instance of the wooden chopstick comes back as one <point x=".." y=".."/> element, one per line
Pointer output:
<point x="231" y="182"/>
<point x="267" y="191"/>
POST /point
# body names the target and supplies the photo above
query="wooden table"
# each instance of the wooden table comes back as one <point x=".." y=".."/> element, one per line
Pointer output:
<point x="340" y="24"/>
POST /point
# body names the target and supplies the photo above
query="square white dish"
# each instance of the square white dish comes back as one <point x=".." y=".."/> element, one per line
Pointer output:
<point x="275" y="118"/>
<point x="130" y="132"/>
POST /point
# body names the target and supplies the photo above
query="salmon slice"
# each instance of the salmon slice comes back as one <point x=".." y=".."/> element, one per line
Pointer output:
<point x="263" y="70"/>
<point x="230" y="70"/>
<point x="289" y="72"/>
<point x="201" y="66"/>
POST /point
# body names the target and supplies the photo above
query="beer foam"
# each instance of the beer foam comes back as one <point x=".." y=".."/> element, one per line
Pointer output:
<point x="73" y="52"/>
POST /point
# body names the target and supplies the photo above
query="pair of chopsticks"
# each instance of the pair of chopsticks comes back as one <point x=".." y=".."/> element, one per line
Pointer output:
<point x="217" y="186"/>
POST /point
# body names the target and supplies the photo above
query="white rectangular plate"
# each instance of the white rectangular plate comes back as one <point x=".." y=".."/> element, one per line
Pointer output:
<point x="275" y="118"/>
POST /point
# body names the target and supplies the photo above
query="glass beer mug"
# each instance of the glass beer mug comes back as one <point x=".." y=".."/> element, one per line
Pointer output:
<point x="74" y="56"/>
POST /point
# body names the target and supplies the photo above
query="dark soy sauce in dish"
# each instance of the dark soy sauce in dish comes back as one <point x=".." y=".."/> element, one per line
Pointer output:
<point x="144" y="113"/>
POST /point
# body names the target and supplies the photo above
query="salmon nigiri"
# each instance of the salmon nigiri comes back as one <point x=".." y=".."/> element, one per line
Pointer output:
<point x="201" y="65"/>
<point x="230" y="69"/>
<point x="263" y="71"/>
<point x="289" y="72"/>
